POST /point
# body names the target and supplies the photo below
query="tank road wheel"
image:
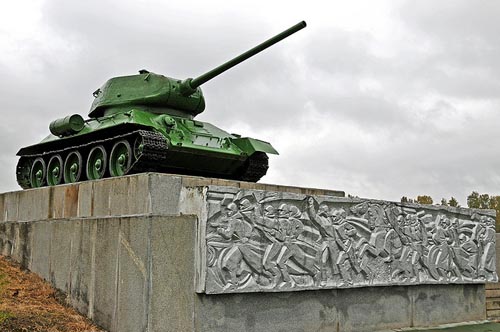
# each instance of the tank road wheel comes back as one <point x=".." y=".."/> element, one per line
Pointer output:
<point x="55" y="170"/>
<point x="138" y="147"/>
<point x="120" y="159"/>
<point x="96" y="163"/>
<point x="73" y="167"/>
<point x="38" y="173"/>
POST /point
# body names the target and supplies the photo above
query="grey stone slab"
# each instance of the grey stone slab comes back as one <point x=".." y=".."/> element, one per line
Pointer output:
<point x="118" y="200"/>
<point x="497" y="250"/>
<point x="11" y="206"/>
<point x="41" y="245"/>
<point x="2" y="207"/>
<point x="106" y="272"/>
<point x="21" y="251"/>
<point x="56" y="204"/>
<point x="164" y="193"/>
<point x="63" y="201"/>
<point x="271" y="241"/>
<point x="71" y="193"/>
<point x="101" y="197"/>
<point x="138" y="197"/>
<point x="60" y="254"/>
<point x="134" y="268"/>
<point x="374" y="308"/>
<point x="7" y="238"/>
<point x="348" y="310"/>
<point x="81" y="286"/>
<point x="34" y="204"/>
<point x="281" y="312"/>
<point x="85" y="199"/>
<point x="172" y="293"/>
<point x="440" y="304"/>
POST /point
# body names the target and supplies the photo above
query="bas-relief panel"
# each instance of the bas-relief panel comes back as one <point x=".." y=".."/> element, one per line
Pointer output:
<point x="258" y="241"/>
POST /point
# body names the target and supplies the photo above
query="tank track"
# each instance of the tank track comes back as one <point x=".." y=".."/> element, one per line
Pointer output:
<point x="255" y="167"/>
<point x="152" y="158"/>
<point x="154" y="152"/>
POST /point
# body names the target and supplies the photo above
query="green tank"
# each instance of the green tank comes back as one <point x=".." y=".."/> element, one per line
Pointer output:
<point x="145" y="123"/>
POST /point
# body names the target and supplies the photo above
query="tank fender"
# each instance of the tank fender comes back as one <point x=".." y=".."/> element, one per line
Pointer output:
<point x="251" y="145"/>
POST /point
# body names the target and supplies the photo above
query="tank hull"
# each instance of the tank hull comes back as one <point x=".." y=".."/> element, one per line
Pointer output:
<point x="137" y="141"/>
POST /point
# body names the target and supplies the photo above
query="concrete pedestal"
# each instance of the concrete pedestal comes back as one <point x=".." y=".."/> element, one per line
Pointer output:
<point x="127" y="252"/>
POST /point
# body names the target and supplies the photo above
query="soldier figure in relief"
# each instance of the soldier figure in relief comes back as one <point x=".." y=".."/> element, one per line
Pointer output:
<point x="375" y="246"/>
<point x="454" y="244"/>
<point x="486" y="241"/>
<point x="344" y="234"/>
<point x="414" y="230"/>
<point x="441" y="258"/>
<point x="285" y="245"/>
<point x="239" y="232"/>
<point x="336" y="248"/>
<point x="328" y="252"/>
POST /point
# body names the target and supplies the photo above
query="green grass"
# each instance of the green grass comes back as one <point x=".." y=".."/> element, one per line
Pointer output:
<point x="4" y="316"/>
<point x="3" y="282"/>
<point x="2" y="279"/>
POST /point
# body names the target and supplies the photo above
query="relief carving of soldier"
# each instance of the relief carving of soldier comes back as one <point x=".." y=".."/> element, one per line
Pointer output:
<point x="485" y="235"/>
<point x="373" y="247"/>
<point x="284" y="249"/>
<point x="267" y="242"/>
<point x="241" y="260"/>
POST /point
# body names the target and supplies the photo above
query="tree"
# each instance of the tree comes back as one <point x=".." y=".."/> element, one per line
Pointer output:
<point x="485" y="201"/>
<point x="453" y="202"/>
<point x="444" y="202"/>
<point x="495" y="203"/>
<point x="405" y="199"/>
<point x="424" y="199"/>
<point x="473" y="200"/>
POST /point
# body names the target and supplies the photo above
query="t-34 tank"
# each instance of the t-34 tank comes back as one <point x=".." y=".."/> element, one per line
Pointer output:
<point x="143" y="123"/>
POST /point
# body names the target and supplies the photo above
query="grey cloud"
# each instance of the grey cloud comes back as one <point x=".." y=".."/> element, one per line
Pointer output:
<point x="464" y="40"/>
<point x="409" y="145"/>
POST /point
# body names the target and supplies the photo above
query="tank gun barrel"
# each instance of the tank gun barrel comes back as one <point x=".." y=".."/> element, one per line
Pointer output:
<point x="189" y="85"/>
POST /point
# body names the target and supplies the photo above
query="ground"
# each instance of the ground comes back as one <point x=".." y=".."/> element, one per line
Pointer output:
<point x="29" y="304"/>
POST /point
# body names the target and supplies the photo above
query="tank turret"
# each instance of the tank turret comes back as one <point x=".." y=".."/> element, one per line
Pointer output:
<point x="164" y="94"/>
<point x="144" y="123"/>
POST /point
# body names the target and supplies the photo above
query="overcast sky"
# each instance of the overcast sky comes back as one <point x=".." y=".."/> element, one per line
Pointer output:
<point x="377" y="98"/>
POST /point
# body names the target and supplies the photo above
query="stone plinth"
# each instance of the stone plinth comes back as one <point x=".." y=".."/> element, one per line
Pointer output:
<point x="156" y="252"/>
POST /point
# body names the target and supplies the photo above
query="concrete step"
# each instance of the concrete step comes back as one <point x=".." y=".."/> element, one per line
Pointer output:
<point x="492" y="293"/>
<point x="492" y="303"/>
<point x="493" y="315"/>
<point x="492" y="285"/>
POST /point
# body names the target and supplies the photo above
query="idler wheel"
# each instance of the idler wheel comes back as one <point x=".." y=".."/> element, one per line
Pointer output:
<point x="23" y="172"/>
<point x="55" y="170"/>
<point x="120" y="159"/>
<point x="73" y="167"/>
<point x="38" y="173"/>
<point x="96" y="163"/>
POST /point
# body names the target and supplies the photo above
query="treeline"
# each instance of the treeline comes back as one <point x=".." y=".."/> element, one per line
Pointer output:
<point x="425" y="199"/>
<point x="474" y="200"/>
